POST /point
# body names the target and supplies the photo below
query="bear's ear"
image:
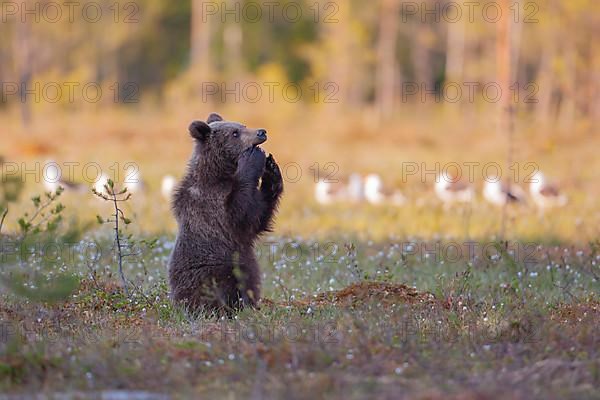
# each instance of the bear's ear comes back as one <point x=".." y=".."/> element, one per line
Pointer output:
<point x="214" y="117"/>
<point x="199" y="130"/>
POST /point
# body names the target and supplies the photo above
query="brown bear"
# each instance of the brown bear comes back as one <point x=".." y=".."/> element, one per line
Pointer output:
<point x="224" y="202"/>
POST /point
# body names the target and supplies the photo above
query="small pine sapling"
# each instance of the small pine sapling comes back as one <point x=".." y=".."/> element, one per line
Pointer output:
<point x="116" y="197"/>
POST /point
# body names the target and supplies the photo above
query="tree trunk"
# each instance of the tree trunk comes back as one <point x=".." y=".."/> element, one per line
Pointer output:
<point x="544" y="82"/>
<point x="387" y="64"/>
<point x="568" y="91"/>
<point x="595" y="82"/>
<point x="24" y="61"/>
<point x="516" y="35"/>
<point x="232" y="37"/>
<point x="455" y="57"/>
<point x="455" y="52"/>
<point x="200" y="59"/>
<point x="347" y="53"/>
<point x="420" y="54"/>
<point x="503" y="63"/>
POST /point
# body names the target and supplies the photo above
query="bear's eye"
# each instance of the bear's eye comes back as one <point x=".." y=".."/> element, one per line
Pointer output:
<point x="236" y="133"/>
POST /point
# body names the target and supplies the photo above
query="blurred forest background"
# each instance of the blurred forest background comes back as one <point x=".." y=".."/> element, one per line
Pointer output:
<point x="367" y="50"/>
<point x="353" y="65"/>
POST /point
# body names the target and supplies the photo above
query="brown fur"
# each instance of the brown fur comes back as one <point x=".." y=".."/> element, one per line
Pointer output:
<point x="221" y="210"/>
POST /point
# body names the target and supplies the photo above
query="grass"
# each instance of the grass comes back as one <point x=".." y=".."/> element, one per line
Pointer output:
<point x="159" y="144"/>
<point x="486" y="327"/>
<point x="359" y="301"/>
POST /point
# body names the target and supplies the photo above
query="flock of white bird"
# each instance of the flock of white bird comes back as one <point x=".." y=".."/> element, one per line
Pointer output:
<point x="355" y="189"/>
<point x="133" y="181"/>
<point x="449" y="191"/>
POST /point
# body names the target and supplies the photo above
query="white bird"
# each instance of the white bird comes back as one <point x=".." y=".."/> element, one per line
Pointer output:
<point x="450" y="190"/>
<point x="545" y="195"/>
<point x="376" y="194"/>
<point x="52" y="176"/>
<point x="354" y="189"/>
<point x="499" y="194"/>
<point x="133" y="182"/>
<point x="323" y="193"/>
<point x="167" y="186"/>
<point x="328" y="191"/>
<point x="53" y="179"/>
<point x="99" y="185"/>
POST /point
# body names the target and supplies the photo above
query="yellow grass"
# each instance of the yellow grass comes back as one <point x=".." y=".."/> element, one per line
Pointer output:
<point x="304" y="139"/>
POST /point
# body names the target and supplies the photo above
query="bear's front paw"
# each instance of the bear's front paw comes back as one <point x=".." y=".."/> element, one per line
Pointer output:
<point x="272" y="176"/>
<point x="251" y="164"/>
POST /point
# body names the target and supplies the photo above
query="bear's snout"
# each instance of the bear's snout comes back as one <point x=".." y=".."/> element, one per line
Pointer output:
<point x="261" y="136"/>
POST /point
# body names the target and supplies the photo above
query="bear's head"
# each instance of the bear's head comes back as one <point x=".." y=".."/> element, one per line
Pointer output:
<point x="228" y="139"/>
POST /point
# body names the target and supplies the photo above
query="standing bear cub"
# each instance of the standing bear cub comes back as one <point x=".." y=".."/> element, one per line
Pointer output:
<point x="225" y="201"/>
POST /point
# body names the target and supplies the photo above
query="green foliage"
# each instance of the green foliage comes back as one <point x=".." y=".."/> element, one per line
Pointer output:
<point x="42" y="288"/>
<point x="10" y="191"/>
<point x="45" y="217"/>
<point x="36" y="228"/>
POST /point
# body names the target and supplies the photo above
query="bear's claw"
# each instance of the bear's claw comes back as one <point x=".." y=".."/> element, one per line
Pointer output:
<point x="272" y="176"/>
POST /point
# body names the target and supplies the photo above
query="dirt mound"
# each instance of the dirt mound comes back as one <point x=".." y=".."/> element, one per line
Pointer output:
<point x="372" y="292"/>
<point x="381" y="293"/>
